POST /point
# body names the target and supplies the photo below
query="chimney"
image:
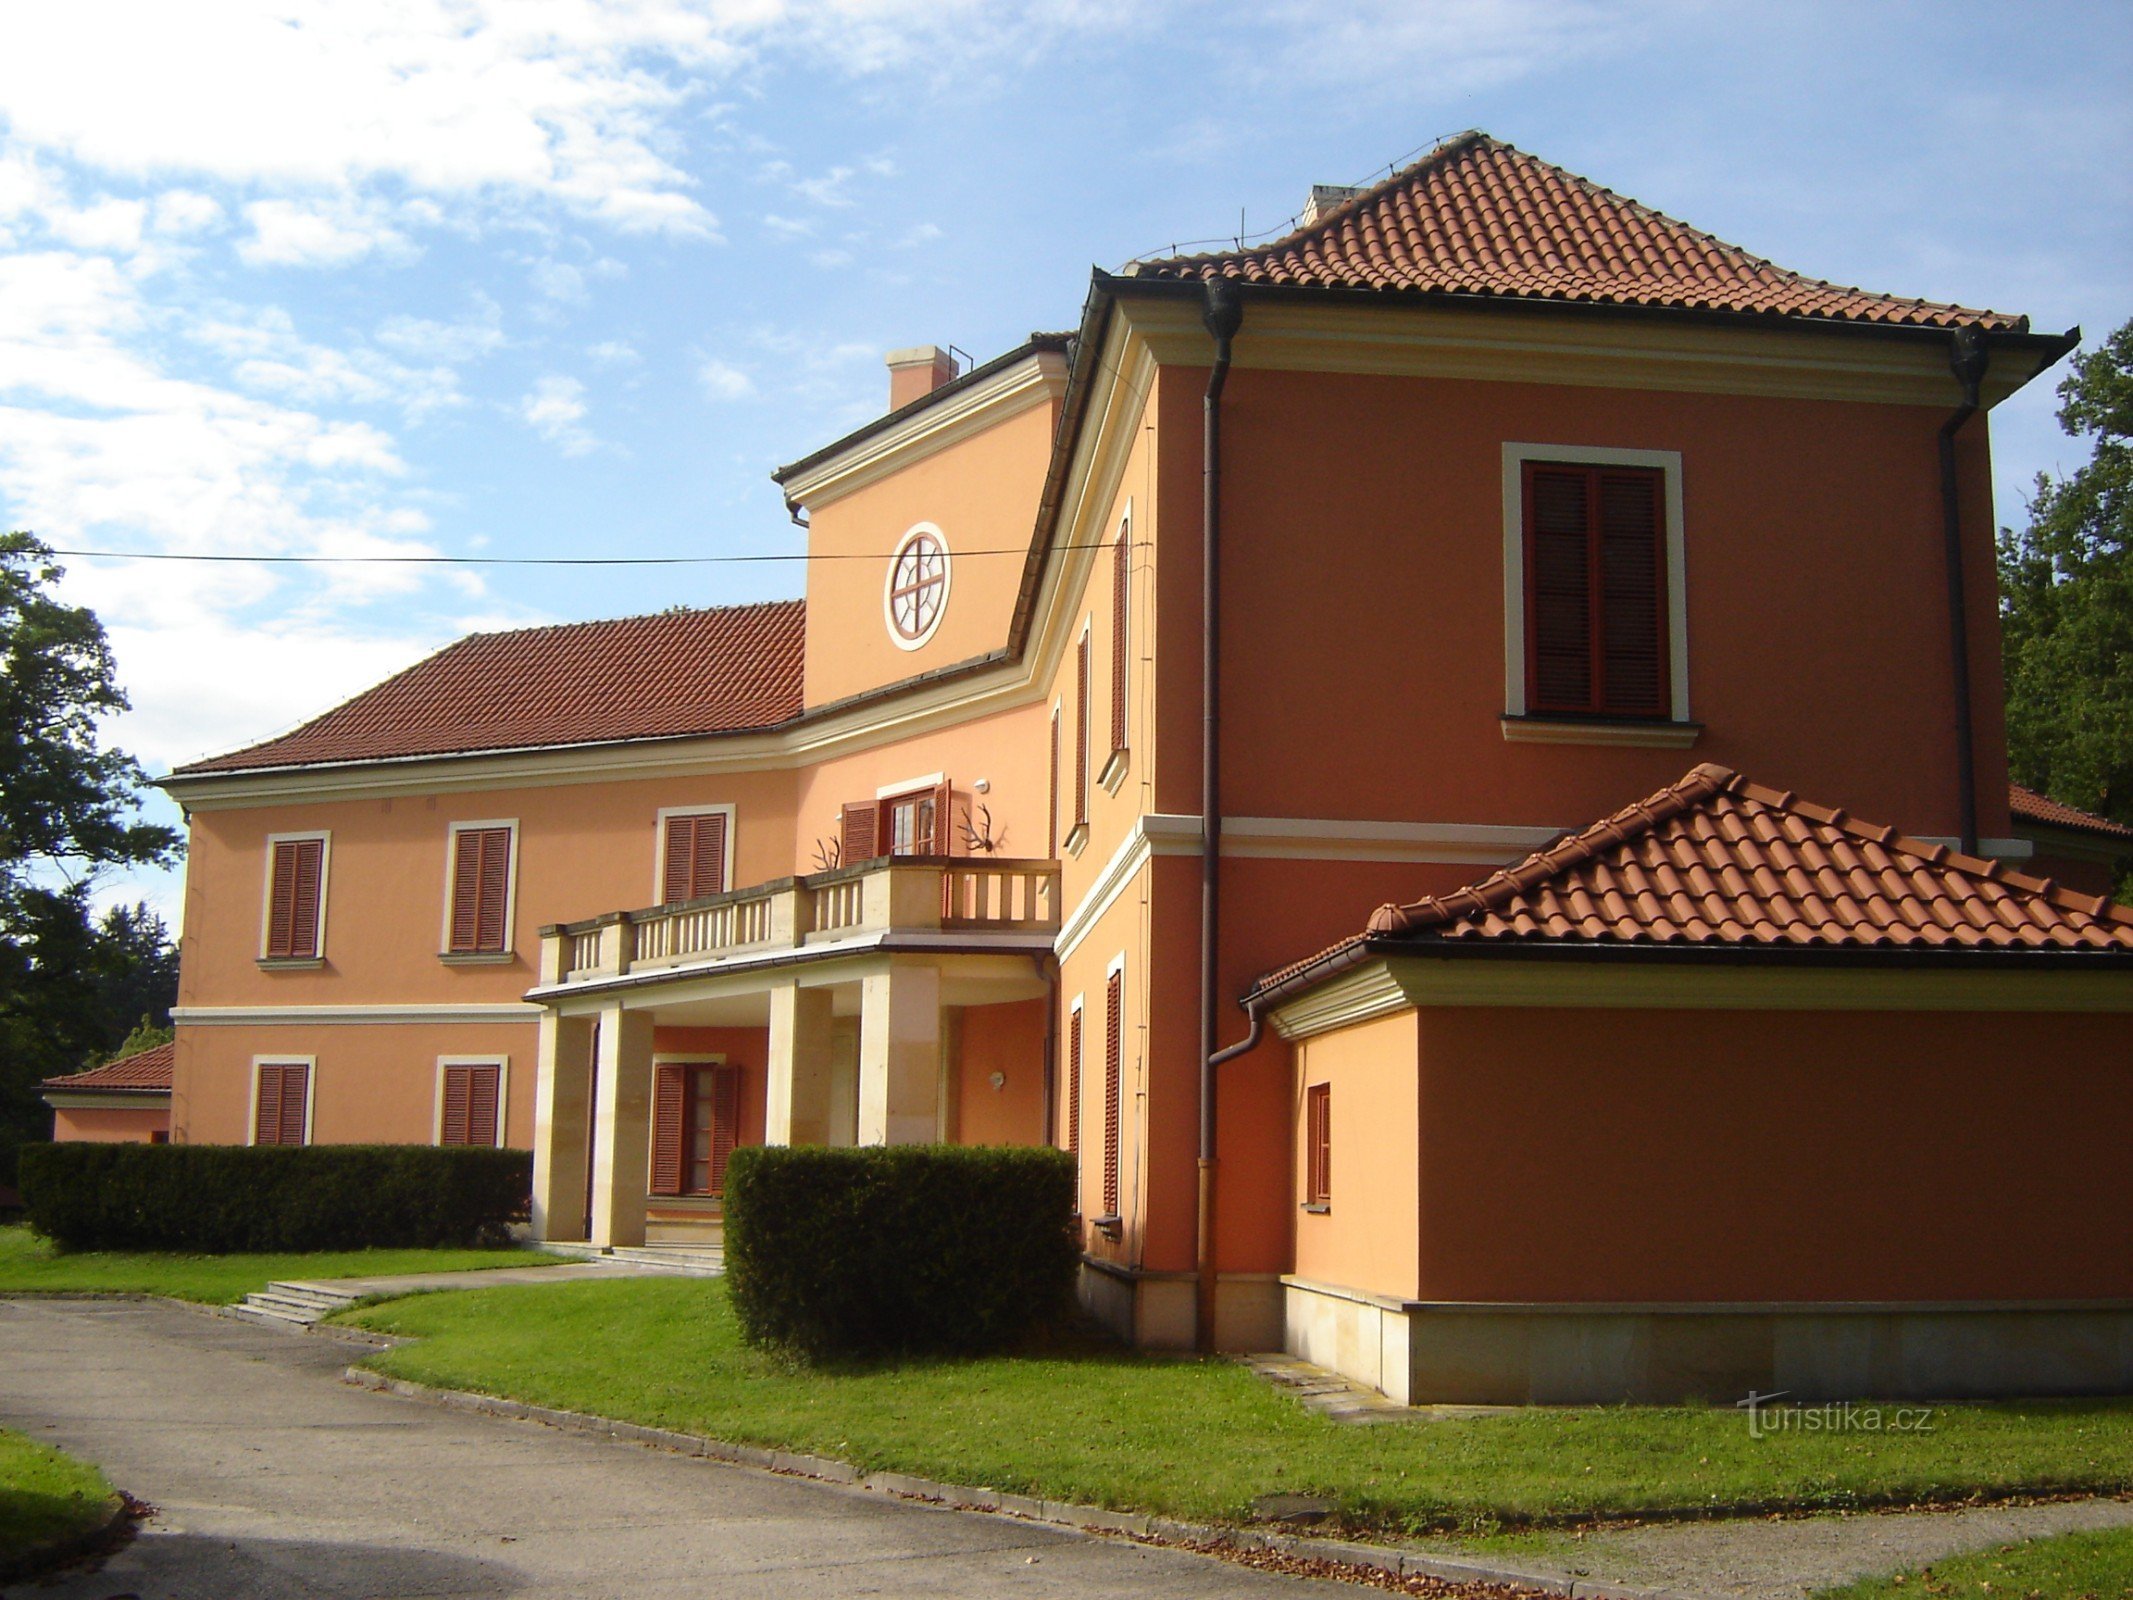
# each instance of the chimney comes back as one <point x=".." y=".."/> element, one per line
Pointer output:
<point x="917" y="372"/>
<point x="1327" y="197"/>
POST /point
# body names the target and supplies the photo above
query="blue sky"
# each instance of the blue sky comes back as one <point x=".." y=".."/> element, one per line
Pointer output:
<point x="539" y="277"/>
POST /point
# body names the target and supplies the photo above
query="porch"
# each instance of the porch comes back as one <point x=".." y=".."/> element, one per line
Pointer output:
<point x="902" y="1000"/>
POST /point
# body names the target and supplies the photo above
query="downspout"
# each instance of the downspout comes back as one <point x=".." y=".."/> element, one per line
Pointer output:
<point x="1224" y="314"/>
<point x="1967" y="357"/>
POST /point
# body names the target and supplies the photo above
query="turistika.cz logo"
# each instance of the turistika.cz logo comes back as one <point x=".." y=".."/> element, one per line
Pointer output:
<point x="1767" y="1417"/>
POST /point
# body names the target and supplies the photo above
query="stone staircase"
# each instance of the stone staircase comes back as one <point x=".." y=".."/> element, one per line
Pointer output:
<point x="687" y="1260"/>
<point x="294" y="1304"/>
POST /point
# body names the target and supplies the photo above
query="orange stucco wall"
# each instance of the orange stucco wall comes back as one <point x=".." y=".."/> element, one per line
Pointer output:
<point x="1010" y="1040"/>
<point x="109" y="1124"/>
<point x="981" y="493"/>
<point x="1773" y="1155"/>
<point x="371" y="1084"/>
<point x="1367" y="1237"/>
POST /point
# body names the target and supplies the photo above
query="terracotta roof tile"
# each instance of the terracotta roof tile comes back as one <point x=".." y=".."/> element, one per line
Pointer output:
<point x="144" y="1072"/>
<point x="665" y="676"/>
<point x="1477" y="217"/>
<point x="1717" y="860"/>
<point x="2031" y="806"/>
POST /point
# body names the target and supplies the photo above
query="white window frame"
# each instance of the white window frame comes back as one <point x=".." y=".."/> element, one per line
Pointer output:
<point x="888" y="586"/>
<point x="282" y="1059"/>
<point x="452" y="831"/>
<point x="1668" y="463"/>
<point x="1082" y="820"/>
<point x="1118" y="756"/>
<point x="266" y="894"/>
<point x="502" y="1064"/>
<point x="659" y="853"/>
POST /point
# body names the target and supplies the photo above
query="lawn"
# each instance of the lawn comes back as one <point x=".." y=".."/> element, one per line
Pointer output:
<point x="30" y="1263"/>
<point x="1201" y="1438"/>
<point x="2074" y="1566"/>
<point x="45" y="1497"/>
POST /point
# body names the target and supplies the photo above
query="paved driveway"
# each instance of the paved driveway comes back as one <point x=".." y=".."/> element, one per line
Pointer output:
<point x="273" y="1478"/>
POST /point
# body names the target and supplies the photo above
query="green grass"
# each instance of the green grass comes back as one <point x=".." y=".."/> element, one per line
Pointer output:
<point x="2074" y="1566"/>
<point x="1200" y="1438"/>
<point x="45" y="1497"/>
<point x="30" y="1263"/>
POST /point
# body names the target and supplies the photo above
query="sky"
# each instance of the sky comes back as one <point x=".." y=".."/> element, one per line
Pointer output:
<point x="550" y="278"/>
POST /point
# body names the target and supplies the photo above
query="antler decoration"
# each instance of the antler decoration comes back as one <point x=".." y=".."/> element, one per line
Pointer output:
<point x="829" y="854"/>
<point x="981" y="840"/>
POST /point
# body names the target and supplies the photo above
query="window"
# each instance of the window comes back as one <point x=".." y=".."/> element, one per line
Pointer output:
<point x="1114" y="1025"/>
<point x="916" y="593"/>
<point x="281" y="1102"/>
<point x="1051" y="814"/>
<point x="696" y="1118"/>
<point x="1595" y="591"/>
<point x="470" y="1101"/>
<point x="1081" y="731"/>
<point x="1318" y="1145"/>
<point x="692" y="858"/>
<point x="1073" y="1092"/>
<point x="907" y="822"/>
<point x="480" y="920"/>
<point x="1121" y="598"/>
<point x="296" y="898"/>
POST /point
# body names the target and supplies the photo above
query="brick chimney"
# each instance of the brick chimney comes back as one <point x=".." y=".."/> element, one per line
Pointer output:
<point x="917" y="372"/>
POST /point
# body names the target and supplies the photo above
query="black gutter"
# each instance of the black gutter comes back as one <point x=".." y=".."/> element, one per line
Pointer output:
<point x="1224" y="315"/>
<point x="1968" y="355"/>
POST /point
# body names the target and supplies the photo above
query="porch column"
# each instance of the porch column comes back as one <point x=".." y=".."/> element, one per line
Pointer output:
<point x="797" y="1106"/>
<point x="900" y="1053"/>
<point x="622" y="1129"/>
<point x="562" y="1094"/>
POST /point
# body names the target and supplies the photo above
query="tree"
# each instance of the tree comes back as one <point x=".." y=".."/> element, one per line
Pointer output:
<point x="2066" y="603"/>
<point x="71" y="985"/>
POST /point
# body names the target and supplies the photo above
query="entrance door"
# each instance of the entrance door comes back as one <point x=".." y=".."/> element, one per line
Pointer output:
<point x="695" y="1125"/>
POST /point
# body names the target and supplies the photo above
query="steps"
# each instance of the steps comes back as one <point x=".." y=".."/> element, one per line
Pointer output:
<point x="685" y="1260"/>
<point x="294" y="1304"/>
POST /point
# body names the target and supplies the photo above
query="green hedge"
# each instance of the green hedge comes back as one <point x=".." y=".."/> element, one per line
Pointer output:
<point x="857" y="1252"/>
<point x="215" y="1199"/>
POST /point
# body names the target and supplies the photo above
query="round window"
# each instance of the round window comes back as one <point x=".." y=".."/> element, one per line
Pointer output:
<point x="917" y="590"/>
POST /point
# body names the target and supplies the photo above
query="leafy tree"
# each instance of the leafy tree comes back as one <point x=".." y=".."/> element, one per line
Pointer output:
<point x="2066" y="600"/>
<point x="71" y="985"/>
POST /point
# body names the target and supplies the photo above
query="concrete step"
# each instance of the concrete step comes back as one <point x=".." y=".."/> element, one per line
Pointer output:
<point x="325" y="1293"/>
<point x="252" y="1311"/>
<point x="700" y="1261"/>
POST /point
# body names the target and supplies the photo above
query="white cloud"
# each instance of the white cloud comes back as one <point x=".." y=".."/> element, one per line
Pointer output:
<point x="724" y="381"/>
<point x="316" y="233"/>
<point x="186" y="211"/>
<point x="554" y="408"/>
<point x="614" y="353"/>
<point x="467" y="339"/>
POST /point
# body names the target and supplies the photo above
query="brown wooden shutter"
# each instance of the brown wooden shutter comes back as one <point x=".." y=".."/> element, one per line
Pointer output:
<point x="484" y="1104"/>
<point x="725" y="1122"/>
<point x="1081" y="732"/>
<point x="481" y="888"/>
<point x="1051" y="815"/>
<point x="283" y="1091"/>
<point x="859" y="832"/>
<point x="1121" y="595"/>
<point x="670" y="1125"/>
<point x="293" y="897"/>
<point x="458" y="1093"/>
<point x="266" y="1119"/>
<point x="295" y="1097"/>
<point x="1632" y="585"/>
<point x="1114" y="1026"/>
<point x="1318" y="1144"/>
<point x="1073" y="1119"/>
<point x="947" y="837"/>
<point x="695" y="863"/>
<point x="1559" y="675"/>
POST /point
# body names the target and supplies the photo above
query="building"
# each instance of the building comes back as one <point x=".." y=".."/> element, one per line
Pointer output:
<point x="126" y="1101"/>
<point x="1495" y="501"/>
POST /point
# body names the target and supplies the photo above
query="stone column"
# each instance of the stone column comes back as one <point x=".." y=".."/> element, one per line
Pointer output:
<point x="900" y="1053"/>
<point x="562" y="1094"/>
<point x="622" y="1127"/>
<point x="797" y="1106"/>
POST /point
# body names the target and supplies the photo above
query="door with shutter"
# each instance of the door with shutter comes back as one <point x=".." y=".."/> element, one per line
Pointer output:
<point x="695" y="864"/>
<point x="280" y="1115"/>
<point x="670" y="1116"/>
<point x="471" y="1112"/>
<point x="481" y="890"/>
<point x="1596" y="586"/>
<point x="295" y="895"/>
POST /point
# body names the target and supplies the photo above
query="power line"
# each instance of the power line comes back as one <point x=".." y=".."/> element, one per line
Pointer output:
<point x="526" y="561"/>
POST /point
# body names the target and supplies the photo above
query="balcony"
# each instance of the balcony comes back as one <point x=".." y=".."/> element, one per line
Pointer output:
<point x="971" y="903"/>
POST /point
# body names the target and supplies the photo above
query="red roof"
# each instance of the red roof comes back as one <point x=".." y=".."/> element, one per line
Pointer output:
<point x="667" y="676"/>
<point x="2031" y="806"/>
<point x="1716" y="860"/>
<point x="1477" y="217"/>
<point x="144" y="1072"/>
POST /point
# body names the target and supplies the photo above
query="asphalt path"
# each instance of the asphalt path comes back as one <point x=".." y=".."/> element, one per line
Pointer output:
<point x="272" y="1478"/>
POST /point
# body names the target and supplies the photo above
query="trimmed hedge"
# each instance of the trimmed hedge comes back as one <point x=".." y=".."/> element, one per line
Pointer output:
<point x="216" y="1199"/>
<point x="855" y="1252"/>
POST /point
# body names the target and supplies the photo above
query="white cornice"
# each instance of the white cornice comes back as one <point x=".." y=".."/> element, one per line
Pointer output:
<point x="107" y="1099"/>
<point x="1393" y="983"/>
<point x="1327" y="839"/>
<point x="1037" y="378"/>
<point x="1156" y="834"/>
<point x="270" y="1016"/>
